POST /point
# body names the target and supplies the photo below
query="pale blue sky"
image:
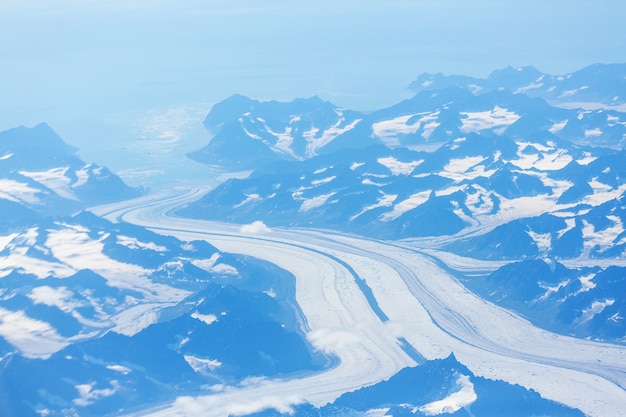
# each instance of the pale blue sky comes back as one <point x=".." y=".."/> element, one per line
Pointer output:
<point x="70" y="62"/>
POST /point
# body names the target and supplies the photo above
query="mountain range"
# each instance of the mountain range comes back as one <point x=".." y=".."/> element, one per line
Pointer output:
<point x="497" y="174"/>
<point x="503" y="175"/>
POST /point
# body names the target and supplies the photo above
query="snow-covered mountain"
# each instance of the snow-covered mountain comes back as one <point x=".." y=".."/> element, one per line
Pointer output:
<point x="248" y="132"/>
<point x="41" y="175"/>
<point x="600" y="84"/>
<point x="97" y="317"/>
<point x="485" y="197"/>
<point x="471" y="182"/>
<point x="585" y="302"/>
<point x="439" y="387"/>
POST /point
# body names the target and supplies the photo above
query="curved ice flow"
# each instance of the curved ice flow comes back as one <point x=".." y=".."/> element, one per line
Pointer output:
<point x="425" y="305"/>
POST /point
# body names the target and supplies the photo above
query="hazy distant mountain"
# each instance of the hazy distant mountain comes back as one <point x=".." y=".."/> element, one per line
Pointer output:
<point x="598" y="83"/>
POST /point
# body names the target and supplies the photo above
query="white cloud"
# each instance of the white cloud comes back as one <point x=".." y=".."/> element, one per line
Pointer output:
<point x="257" y="227"/>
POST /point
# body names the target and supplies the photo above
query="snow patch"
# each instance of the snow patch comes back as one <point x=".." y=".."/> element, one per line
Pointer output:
<point x="34" y="338"/>
<point x="389" y="130"/>
<point x="406" y="205"/>
<point x="60" y="297"/>
<point x="466" y="169"/>
<point x="542" y="240"/>
<point x="18" y="192"/>
<point x="601" y="240"/>
<point x="593" y="133"/>
<point x="249" y="199"/>
<point x="200" y="365"/>
<point x="323" y="181"/>
<point x="316" y="141"/>
<point x="134" y="243"/>
<point x="386" y="200"/>
<point x="119" y="368"/>
<point x="586" y="159"/>
<point x="497" y="117"/>
<point x="88" y="395"/>
<point x="398" y="167"/>
<point x="455" y="401"/>
<point x="311" y="203"/>
<point x="557" y="127"/>
<point x="596" y="308"/>
<point x="544" y="159"/>
<point x="205" y="318"/>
